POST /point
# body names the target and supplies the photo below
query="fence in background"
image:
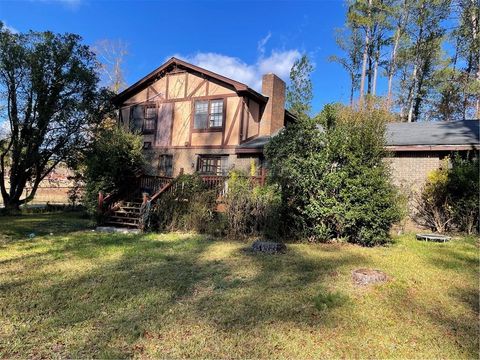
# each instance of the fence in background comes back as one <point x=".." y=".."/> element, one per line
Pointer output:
<point x="47" y="194"/>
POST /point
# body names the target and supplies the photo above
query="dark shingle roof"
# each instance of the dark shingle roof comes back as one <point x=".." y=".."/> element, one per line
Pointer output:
<point x="434" y="133"/>
<point x="465" y="132"/>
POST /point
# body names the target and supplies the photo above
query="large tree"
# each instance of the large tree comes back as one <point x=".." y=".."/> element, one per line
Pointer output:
<point x="350" y="42"/>
<point x="299" y="91"/>
<point x="48" y="86"/>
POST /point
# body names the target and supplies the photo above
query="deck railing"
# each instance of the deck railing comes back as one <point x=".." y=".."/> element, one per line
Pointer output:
<point x="155" y="185"/>
<point x="152" y="184"/>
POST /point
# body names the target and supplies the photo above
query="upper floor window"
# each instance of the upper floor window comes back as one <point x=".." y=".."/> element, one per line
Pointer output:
<point x="208" y="114"/>
<point x="149" y="118"/>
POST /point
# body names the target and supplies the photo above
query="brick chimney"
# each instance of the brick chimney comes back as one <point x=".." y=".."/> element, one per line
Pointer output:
<point x="274" y="113"/>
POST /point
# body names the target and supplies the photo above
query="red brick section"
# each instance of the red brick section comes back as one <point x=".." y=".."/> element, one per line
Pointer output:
<point x="273" y="116"/>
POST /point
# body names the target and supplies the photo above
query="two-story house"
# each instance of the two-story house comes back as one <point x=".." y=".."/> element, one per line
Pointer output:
<point x="193" y="119"/>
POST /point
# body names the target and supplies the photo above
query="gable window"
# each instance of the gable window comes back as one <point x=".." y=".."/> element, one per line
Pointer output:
<point x="211" y="165"/>
<point x="208" y="114"/>
<point x="149" y="118"/>
<point x="165" y="165"/>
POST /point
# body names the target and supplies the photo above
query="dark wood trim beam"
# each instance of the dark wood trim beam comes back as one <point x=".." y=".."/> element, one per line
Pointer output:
<point x="234" y="121"/>
<point x="433" y="147"/>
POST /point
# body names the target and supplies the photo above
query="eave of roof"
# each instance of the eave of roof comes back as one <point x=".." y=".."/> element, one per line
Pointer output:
<point x="142" y="83"/>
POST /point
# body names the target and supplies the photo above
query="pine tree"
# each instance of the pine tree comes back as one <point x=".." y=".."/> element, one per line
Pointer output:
<point x="351" y="44"/>
<point x="299" y="91"/>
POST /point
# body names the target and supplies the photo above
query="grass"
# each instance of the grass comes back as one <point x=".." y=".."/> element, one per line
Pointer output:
<point x="74" y="293"/>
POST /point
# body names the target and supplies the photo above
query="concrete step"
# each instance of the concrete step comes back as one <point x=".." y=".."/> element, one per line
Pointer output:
<point x="113" y="222"/>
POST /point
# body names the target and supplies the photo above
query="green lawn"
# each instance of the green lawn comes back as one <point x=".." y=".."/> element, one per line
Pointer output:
<point x="74" y="293"/>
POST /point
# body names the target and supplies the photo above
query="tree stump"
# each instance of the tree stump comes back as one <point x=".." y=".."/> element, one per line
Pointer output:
<point x="368" y="276"/>
<point x="268" y="247"/>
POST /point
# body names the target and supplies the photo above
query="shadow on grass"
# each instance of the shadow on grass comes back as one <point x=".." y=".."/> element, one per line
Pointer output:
<point x="135" y="285"/>
<point x="115" y="302"/>
<point x="19" y="227"/>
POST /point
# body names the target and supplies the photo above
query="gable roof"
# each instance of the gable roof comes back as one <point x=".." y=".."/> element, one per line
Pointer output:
<point x="417" y="136"/>
<point x="239" y="87"/>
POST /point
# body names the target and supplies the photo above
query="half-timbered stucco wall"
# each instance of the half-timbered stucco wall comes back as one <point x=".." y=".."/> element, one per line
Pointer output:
<point x="173" y="95"/>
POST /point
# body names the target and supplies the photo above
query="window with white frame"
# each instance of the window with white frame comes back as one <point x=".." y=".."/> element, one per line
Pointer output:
<point x="216" y="113"/>
<point x="208" y="114"/>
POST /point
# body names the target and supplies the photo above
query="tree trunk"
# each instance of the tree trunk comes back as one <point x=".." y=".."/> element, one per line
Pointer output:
<point x="391" y="70"/>
<point x="369" y="74"/>
<point x="403" y="19"/>
<point x="475" y="30"/>
<point x="11" y="207"/>
<point x="352" y="85"/>
<point x="375" y="72"/>
<point x="364" y="68"/>
<point x="410" y="94"/>
<point x="364" y="60"/>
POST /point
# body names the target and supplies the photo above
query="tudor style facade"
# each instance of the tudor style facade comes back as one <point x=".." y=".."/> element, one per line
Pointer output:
<point x="193" y="119"/>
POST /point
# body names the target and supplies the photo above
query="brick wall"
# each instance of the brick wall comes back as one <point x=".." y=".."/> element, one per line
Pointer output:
<point x="410" y="169"/>
<point x="274" y="113"/>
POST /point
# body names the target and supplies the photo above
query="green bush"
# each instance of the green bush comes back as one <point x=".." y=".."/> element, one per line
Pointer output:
<point x="189" y="206"/>
<point x="111" y="163"/>
<point x="333" y="179"/>
<point x="251" y="209"/>
<point x="464" y="189"/>
<point x="433" y="204"/>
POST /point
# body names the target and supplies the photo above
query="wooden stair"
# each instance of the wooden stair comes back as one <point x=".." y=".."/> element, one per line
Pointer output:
<point x="126" y="214"/>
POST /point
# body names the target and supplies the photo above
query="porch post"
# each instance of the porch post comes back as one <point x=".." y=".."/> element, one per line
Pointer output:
<point x="262" y="176"/>
<point x="100" y="202"/>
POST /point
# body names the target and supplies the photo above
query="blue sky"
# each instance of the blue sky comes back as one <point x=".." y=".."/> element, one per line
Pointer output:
<point x="240" y="39"/>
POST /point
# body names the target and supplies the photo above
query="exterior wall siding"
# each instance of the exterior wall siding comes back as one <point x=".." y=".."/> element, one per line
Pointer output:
<point x="410" y="169"/>
<point x="179" y="91"/>
<point x="186" y="159"/>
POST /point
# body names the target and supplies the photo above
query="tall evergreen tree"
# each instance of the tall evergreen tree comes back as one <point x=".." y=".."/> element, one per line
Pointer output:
<point x="299" y="91"/>
<point x="421" y="55"/>
<point x="467" y="39"/>
<point x="350" y="43"/>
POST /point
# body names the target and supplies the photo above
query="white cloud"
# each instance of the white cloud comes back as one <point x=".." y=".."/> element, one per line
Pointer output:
<point x="9" y="27"/>
<point x="263" y="42"/>
<point x="279" y="63"/>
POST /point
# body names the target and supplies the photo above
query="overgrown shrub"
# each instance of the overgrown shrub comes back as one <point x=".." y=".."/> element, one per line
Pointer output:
<point x="333" y="179"/>
<point x="110" y="163"/>
<point x="464" y="188"/>
<point x="449" y="198"/>
<point x="251" y="209"/>
<point x="189" y="206"/>
<point x="433" y="205"/>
